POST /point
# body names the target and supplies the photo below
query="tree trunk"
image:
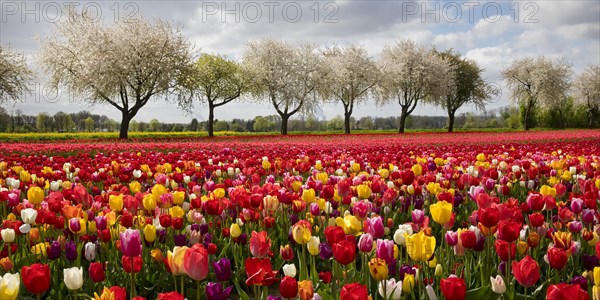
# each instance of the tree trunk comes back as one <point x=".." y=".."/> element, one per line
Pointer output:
<point x="284" y="124"/>
<point x="124" y="126"/>
<point x="403" y="117"/>
<point x="451" y="121"/>
<point x="211" y="120"/>
<point x="347" y="123"/>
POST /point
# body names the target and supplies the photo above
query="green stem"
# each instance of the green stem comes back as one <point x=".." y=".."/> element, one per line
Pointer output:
<point x="198" y="290"/>
<point x="182" y="281"/>
<point x="132" y="281"/>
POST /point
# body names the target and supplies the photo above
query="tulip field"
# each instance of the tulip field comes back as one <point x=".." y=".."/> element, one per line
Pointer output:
<point x="492" y="215"/>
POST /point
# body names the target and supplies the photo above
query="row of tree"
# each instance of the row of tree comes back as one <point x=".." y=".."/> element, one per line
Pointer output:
<point x="128" y="64"/>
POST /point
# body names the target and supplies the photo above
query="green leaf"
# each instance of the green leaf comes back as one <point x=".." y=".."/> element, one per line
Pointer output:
<point x="484" y="292"/>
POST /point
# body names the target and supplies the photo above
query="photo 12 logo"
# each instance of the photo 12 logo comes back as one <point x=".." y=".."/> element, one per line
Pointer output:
<point x="471" y="11"/>
<point x="269" y="11"/>
<point x="53" y="12"/>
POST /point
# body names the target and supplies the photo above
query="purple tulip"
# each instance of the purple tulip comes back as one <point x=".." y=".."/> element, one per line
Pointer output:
<point x="451" y="238"/>
<point x="325" y="251"/>
<point x="215" y="291"/>
<point x="576" y="205"/>
<point x="222" y="269"/>
<point x="581" y="281"/>
<point x="314" y="209"/>
<point x="180" y="240"/>
<point x="54" y="250"/>
<point x="195" y="227"/>
<point x="204" y="228"/>
<point x="590" y="261"/>
<point x="71" y="250"/>
<point x="74" y="225"/>
<point x="418" y="216"/>
<point x="365" y="243"/>
<point x="575" y="226"/>
<point x="587" y="216"/>
<point x="489" y="184"/>
<point x="131" y="243"/>
<point x="101" y="222"/>
<point x="243" y="239"/>
<point x="385" y="250"/>
<point x="502" y="268"/>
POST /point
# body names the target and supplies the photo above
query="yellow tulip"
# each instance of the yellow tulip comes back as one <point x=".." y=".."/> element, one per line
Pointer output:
<point x="322" y="177"/>
<point x="355" y="167"/>
<point x="135" y="186"/>
<point x="176" y="212"/>
<point x="548" y="191"/>
<point x="149" y="201"/>
<point x="597" y="276"/>
<point x="408" y="283"/>
<point x="480" y="157"/>
<point x="419" y="246"/>
<point x="149" y="233"/>
<point x="116" y="202"/>
<point x="313" y="245"/>
<point x="234" y="230"/>
<point x="522" y="247"/>
<point x="178" y="197"/>
<point x="417" y="169"/>
<point x="363" y="191"/>
<point x="301" y="232"/>
<point x="266" y="165"/>
<point x="566" y="176"/>
<point x="296" y="185"/>
<point x="350" y="224"/>
<point x="384" y="173"/>
<point x="9" y="286"/>
<point x="219" y="193"/>
<point x="175" y="260"/>
<point x="308" y="196"/>
<point x="35" y="195"/>
<point x="106" y="295"/>
<point x="24" y="176"/>
<point x="378" y="268"/>
<point x="441" y="212"/>
<point x="158" y="190"/>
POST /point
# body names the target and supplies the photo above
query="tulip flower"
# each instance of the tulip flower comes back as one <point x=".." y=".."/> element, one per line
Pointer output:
<point x="344" y="252"/>
<point x="498" y="285"/>
<point x="9" y="286"/>
<point x="175" y="260"/>
<point x="301" y="232"/>
<point x="350" y="224"/>
<point x="374" y="226"/>
<point x="96" y="272"/>
<point x="131" y="264"/>
<point x="441" y="212"/>
<point x="215" y="291"/>
<point x="313" y="245"/>
<point x="354" y="291"/>
<point x="400" y="233"/>
<point x="260" y="244"/>
<point x="116" y="202"/>
<point x="557" y="257"/>
<point x="28" y="215"/>
<point x="195" y="262"/>
<point x="378" y="268"/>
<point x="566" y="291"/>
<point x="365" y="243"/>
<point x="392" y="289"/>
<point x="35" y="195"/>
<point x="259" y="272"/>
<point x="385" y="250"/>
<point x="289" y="270"/>
<point x="419" y="246"/>
<point x="131" y="244"/>
<point x="334" y="234"/>
<point x="73" y="278"/>
<point x="526" y="271"/>
<point x="305" y="290"/>
<point x="288" y="288"/>
<point x="36" y="278"/>
<point x="453" y="288"/>
<point x="90" y="251"/>
<point x="508" y="230"/>
<point x="170" y="296"/>
<point x="8" y="235"/>
<point x="222" y="269"/>
<point x="149" y="233"/>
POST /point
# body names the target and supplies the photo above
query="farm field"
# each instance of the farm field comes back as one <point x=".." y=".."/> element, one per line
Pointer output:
<point x="476" y="215"/>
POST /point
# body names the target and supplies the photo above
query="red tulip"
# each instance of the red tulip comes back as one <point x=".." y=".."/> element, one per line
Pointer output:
<point x="526" y="271"/>
<point x="288" y="287"/>
<point x="509" y="230"/>
<point x="119" y="292"/>
<point x="36" y="278"/>
<point x="195" y="262"/>
<point x="334" y="234"/>
<point x="453" y="288"/>
<point x="131" y="263"/>
<point x="259" y="271"/>
<point x="536" y="219"/>
<point x="96" y="271"/>
<point x="502" y="249"/>
<point x="260" y="244"/>
<point x="354" y="291"/>
<point x="468" y="239"/>
<point x="325" y="277"/>
<point x="488" y="216"/>
<point x="557" y="257"/>
<point x="344" y="252"/>
<point x="564" y="291"/>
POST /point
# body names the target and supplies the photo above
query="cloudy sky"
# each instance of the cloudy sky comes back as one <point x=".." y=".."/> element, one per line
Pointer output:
<point x="493" y="33"/>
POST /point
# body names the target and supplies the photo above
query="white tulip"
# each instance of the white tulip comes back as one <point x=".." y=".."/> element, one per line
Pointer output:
<point x="28" y="215"/>
<point x="498" y="285"/>
<point x="430" y="292"/>
<point x="25" y="228"/>
<point x="8" y="235"/>
<point x="393" y="289"/>
<point x="73" y="278"/>
<point x="90" y="251"/>
<point x="399" y="234"/>
<point x="137" y="173"/>
<point x="289" y="270"/>
<point x="54" y="186"/>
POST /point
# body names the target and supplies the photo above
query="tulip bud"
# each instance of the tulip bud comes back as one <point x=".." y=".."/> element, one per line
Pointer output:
<point x="8" y="235"/>
<point x="498" y="285"/>
<point x="289" y="270"/>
